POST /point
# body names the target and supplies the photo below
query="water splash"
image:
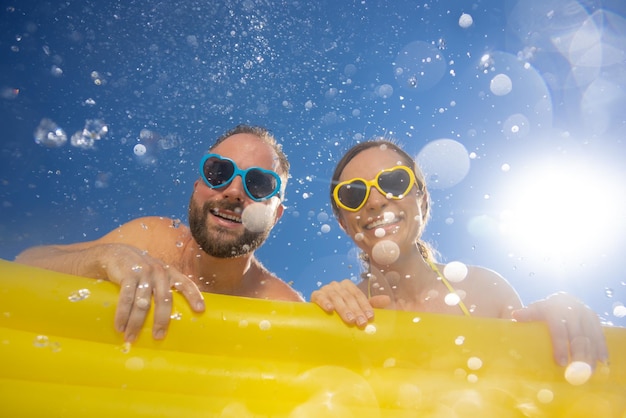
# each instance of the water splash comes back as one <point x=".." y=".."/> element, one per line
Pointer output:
<point x="49" y="134"/>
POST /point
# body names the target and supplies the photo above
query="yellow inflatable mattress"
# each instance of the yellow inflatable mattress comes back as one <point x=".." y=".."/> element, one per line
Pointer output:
<point x="61" y="357"/>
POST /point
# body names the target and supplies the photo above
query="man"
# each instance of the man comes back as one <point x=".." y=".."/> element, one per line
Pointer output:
<point x="234" y="205"/>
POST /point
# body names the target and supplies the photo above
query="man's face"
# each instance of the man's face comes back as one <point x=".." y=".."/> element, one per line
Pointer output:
<point x="225" y="221"/>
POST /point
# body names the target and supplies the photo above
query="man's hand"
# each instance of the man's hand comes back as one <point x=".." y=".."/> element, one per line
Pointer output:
<point x="141" y="279"/>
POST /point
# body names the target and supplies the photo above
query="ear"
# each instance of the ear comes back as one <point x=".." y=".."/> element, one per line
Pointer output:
<point x="424" y="203"/>
<point x="279" y="212"/>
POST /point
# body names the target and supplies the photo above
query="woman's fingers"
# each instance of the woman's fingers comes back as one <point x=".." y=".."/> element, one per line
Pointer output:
<point x="575" y="330"/>
<point x="347" y="300"/>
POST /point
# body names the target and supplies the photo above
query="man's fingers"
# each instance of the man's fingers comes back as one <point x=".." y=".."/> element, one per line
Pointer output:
<point x="124" y="305"/>
<point x="162" y="309"/>
<point x="191" y="292"/>
<point x="139" y="311"/>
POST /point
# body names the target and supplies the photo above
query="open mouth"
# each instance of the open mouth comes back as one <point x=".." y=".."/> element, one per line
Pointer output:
<point x="388" y="218"/>
<point x="229" y="216"/>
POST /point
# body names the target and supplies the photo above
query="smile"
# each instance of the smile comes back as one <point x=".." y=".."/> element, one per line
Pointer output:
<point x="388" y="218"/>
<point x="228" y="216"/>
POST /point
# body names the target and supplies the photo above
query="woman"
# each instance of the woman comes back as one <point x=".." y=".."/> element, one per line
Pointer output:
<point x="380" y="199"/>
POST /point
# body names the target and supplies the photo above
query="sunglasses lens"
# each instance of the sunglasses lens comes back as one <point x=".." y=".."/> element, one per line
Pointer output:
<point x="217" y="171"/>
<point x="260" y="184"/>
<point x="395" y="182"/>
<point x="352" y="194"/>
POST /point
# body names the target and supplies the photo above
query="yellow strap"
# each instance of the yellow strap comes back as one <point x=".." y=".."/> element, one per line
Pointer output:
<point x="448" y="285"/>
<point x="434" y="267"/>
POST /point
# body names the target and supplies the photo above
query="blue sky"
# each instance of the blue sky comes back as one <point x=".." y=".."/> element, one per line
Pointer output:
<point x="514" y="109"/>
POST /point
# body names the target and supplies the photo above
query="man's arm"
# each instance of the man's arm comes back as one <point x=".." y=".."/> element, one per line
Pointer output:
<point x="139" y="275"/>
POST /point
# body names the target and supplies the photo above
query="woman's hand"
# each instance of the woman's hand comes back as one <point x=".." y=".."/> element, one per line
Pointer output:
<point x="575" y="329"/>
<point x="348" y="301"/>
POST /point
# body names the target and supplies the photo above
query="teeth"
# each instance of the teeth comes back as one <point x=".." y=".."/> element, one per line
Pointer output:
<point x="228" y="216"/>
<point x="384" y="221"/>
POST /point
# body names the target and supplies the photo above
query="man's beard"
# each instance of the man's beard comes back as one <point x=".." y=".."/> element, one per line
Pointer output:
<point x="220" y="242"/>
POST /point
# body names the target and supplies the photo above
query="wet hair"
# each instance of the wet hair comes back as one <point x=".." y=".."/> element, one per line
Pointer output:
<point x="266" y="137"/>
<point x="425" y="249"/>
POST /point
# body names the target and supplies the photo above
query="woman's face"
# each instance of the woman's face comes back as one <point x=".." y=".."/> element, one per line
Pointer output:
<point x="381" y="218"/>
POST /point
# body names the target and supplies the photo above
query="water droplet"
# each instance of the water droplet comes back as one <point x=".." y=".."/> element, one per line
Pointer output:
<point x="93" y="131"/>
<point x="452" y="299"/>
<point x="545" y="395"/>
<point x="466" y="20"/>
<point x="49" y="134"/>
<point x="459" y="340"/>
<point x="257" y="217"/>
<point x="134" y="363"/>
<point x="264" y="325"/>
<point x="140" y="150"/>
<point x="142" y="303"/>
<point x="619" y="311"/>
<point x="79" y="295"/>
<point x="455" y="271"/>
<point x="370" y="329"/>
<point x="501" y="85"/>
<point x="390" y="362"/>
<point x="385" y="252"/>
<point x="177" y="316"/>
<point x="577" y="373"/>
<point x="474" y="363"/>
<point x="41" y="341"/>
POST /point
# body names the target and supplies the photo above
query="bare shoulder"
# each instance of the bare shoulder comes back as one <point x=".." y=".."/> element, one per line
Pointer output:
<point x="485" y="278"/>
<point x="490" y="294"/>
<point x="156" y="235"/>
<point x="148" y="223"/>
<point x="140" y="229"/>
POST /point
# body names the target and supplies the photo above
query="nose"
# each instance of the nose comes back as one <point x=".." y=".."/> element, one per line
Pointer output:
<point x="376" y="199"/>
<point x="235" y="189"/>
